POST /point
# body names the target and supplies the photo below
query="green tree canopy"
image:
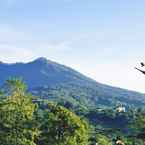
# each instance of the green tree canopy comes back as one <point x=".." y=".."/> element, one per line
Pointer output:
<point x="62" y="127"/>
<point x="16" y="116"/>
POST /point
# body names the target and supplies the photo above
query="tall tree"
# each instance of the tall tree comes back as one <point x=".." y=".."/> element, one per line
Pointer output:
<point x="16" y="116"/>
<point x="62" y="127"/>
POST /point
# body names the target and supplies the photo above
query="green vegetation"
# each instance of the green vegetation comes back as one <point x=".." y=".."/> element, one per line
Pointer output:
<point x="103" y="140"/>
<point x="31" y="120"/>
<point x="16" y="116"/>
<point x="24" y="123"/>
<point x="88" y="95"/>
<point x="63" y="127"/>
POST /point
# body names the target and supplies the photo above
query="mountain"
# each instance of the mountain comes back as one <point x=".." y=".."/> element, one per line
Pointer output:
<point x="57" y="82"/>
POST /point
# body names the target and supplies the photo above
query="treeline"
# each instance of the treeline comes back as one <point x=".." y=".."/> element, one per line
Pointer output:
<point x="23" y="122"/>
<point x="29" y="120"/>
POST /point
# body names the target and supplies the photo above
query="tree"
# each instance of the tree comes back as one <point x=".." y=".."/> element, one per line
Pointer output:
<point x="62" y="127"/>
<point x="16" y="116"/>
<point x="103" y="140"/>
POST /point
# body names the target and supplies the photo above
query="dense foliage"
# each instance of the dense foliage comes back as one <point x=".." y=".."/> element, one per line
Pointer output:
<point x="16" y="116"/>
<point x="63" y="127"/>
<point x="23" y="122"/>
<point x="31" y="120"/>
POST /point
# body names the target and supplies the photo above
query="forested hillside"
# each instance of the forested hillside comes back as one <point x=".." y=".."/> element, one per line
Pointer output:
<point x="59" y="83"/>
<point x="26" y="120"/>
<point x="60" y="106"/>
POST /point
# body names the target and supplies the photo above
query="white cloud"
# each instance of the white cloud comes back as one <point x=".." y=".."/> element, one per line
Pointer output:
<point x="16" y="45"/>
<point x="12" y="45"/>
<point x="9" y="53"/>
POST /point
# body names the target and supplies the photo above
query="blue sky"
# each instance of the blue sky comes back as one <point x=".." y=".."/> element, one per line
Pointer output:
<point x="103" y="39"/>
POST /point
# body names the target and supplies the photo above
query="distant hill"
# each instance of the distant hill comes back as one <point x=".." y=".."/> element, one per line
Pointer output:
<point x="59" y="83"/>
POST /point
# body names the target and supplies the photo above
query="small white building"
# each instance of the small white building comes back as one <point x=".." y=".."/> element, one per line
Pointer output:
<point x="121" y="109"/>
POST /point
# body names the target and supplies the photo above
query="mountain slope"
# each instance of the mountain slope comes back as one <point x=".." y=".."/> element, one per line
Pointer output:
<point x="40" y="72"/>
<point x="57" y="82"/>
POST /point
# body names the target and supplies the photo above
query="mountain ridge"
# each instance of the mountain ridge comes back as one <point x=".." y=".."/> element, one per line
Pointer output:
<point x="42" y="73"/>
<point x="45" y="60"/>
